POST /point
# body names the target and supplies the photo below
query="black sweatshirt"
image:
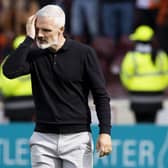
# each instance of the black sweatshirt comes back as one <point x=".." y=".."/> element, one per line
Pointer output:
<point x="61" y="82"/>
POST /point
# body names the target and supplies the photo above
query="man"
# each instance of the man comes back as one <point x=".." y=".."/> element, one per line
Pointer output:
<point x="62" y="71"/>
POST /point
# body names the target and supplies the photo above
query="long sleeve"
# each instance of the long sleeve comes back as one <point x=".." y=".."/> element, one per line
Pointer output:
<point x="100" y="96"/>
<point x="17" y="63"/>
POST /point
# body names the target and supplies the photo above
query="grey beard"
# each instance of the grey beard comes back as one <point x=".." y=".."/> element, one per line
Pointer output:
<point x="43" y="46"/>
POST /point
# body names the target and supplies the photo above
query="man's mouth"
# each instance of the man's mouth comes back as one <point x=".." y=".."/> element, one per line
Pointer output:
<point x="42" y="41"/>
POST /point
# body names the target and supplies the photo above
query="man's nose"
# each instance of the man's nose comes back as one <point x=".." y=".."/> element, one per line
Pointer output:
<point x="39" y="33"/>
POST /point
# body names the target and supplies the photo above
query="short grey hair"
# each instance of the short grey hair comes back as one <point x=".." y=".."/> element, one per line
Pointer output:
<point x="55" y="12"/>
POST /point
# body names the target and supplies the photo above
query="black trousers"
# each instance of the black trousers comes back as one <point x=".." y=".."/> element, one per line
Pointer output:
<point x="145" y="112"/>
<point x="145" y="117"/>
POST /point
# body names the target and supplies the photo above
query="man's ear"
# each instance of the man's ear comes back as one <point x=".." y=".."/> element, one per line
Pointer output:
<point x="62" y="29"/>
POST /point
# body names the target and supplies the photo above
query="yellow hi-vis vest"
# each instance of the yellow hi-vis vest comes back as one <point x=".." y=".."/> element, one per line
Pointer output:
<point x="139" y="73"/>
<point x="20" y="86"/>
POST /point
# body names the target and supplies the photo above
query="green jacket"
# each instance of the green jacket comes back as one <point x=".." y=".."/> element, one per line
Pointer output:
<point x="139" y="73"/>
<point x="20" y="86"/>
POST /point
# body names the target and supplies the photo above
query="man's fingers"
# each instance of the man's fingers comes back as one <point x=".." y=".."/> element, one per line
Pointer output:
<point x="32" y="18"/>
<point x="108" y="149"/>
<point x="104" y="151"/>
<point x="101" y="154"/>
<point x="105" y="148"/>
<point x="30" y="26"/>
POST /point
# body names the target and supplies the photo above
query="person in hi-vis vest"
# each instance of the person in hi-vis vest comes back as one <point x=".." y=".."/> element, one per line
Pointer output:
<point x="17" y="93"/>
<point x="144" y="74"/>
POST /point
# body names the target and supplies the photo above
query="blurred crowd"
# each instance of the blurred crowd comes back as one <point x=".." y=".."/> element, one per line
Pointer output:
<point x="106" y="25"/>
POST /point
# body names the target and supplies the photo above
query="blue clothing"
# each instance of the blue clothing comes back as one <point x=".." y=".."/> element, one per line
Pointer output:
<point x="84" y="12"/>
<point x="117" y="19"/>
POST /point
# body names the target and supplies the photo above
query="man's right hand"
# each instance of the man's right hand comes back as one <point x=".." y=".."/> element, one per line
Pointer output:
<point x="30" y="26"/>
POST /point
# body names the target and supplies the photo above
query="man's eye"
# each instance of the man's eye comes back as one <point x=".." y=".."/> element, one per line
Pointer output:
<point x="46" y="30"/>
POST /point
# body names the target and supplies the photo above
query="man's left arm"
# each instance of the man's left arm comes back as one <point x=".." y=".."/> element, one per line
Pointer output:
<point x="101" y="101"/>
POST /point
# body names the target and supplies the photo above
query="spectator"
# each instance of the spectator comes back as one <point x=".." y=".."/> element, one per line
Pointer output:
<point x="117" y="18"/>
<point x="146" y="12"/>
<point x="17" y="94"/>
<point x="84" y="16"/>
<point x="144" y="73"/>
<point x="14" y="14"/>
<point x="21" y="11"/>
<point x="162" y="25"/>
<point x="104" y="48"/>
<point x="117" y="21"/>
<point x="3" y="43"/>
<point x="6" y="18"/>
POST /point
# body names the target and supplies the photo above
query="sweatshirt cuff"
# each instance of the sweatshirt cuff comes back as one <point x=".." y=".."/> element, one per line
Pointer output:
<point x="28" y="40"/>
<point x="105" y="129"/>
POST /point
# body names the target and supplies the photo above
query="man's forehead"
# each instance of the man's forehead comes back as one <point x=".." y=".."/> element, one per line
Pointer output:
<point x="45" y="22"/>
<point x="44" y="19"/>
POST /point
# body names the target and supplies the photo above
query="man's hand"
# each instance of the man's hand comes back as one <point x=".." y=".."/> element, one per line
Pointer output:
<point x="104" y="144"/>
<point x="30" y="26"/>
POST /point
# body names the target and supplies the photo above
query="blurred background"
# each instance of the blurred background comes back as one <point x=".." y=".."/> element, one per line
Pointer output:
<point x="137" y="86"/>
